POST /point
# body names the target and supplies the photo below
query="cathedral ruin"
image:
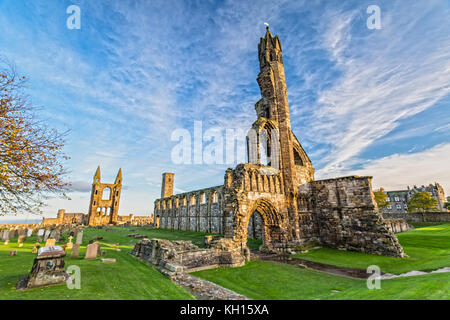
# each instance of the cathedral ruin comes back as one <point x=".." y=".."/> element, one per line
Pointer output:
<point x="278" y="201"/>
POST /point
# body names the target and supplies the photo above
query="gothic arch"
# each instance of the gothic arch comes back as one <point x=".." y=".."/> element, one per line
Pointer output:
<point x="270" y="218"/>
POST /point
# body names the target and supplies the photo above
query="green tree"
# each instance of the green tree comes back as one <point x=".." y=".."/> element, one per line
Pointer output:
<point x="381" y="198"/>
<point x="421" y="202"/>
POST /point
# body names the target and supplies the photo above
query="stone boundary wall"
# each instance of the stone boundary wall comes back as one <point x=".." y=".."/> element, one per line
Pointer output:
<point x="420" y="217"/>
<point x="398" y="225"/>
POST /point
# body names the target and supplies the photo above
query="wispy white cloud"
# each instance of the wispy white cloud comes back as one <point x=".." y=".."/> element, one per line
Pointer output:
<point x="399" y="170"/>
<point x="388" y="75"/>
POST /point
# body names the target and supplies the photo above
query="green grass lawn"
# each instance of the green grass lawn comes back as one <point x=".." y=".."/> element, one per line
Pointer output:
<point x="268" y="280"/>
<point x="428" y="248"/>
<point x="128" y="278"/>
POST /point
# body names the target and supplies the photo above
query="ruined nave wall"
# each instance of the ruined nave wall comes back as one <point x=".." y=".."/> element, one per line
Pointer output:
<point x="199" y="210"/>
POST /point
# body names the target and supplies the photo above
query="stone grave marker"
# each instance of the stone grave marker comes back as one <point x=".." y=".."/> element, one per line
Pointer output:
<point x="13" y="253"/>
<point x="109" y="260"/>
<point x="47" y="234"/>
<point x="29" y="232"/>
<point x="48" y="269"/>
<point x="50" y="242"/>
<point x="69" y="244"/>
<point x="5" y="235"/>
<point x="36" y="247"/>
<point x="13" y="233"/>
<point x="54" y="234"/>
<point x="75" y="251"/>
<point x="79" y="237"/>
<point x="92" y="251"/>
<point x="21" y="239"/>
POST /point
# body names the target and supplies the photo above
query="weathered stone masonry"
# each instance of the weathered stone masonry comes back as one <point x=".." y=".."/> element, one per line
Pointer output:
<point x="276" y="197"/>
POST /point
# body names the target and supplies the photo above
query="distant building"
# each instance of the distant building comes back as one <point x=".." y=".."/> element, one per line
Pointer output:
<point x="398" y="200"/>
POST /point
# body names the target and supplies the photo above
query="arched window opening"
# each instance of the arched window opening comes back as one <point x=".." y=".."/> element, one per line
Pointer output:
<point x="297" y="159"/>
<point x="106" y="194"/>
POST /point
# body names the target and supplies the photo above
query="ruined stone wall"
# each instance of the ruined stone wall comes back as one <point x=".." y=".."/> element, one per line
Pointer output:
<point x="348" y="218"/>
<point x="173" y="258"/>
<point x="199" y="210"/>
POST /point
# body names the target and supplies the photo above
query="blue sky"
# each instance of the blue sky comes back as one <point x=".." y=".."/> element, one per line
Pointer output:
<point x="366" y="102"/>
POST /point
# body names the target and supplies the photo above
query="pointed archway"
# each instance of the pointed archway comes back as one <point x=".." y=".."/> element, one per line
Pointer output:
<point x="262" y="218"/>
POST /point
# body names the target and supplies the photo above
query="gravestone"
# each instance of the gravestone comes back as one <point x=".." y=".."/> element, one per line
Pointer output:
<point x="47" y="234"/>
<point x="48" y="269"/>
<point x="109" y="260"/>
<point x="36" y="247"/>
<point x="69" y="244"/>
<point x="13" y="253"/>
<point x="5" y="235"/>
<point x="29" y="232"/>
<point x="13" y="233"/>
<point x="79" y="237"/>
<point x="75" y="251"/>
<point x="50" y="242"/>
<point x="54" y="234"/>
<point x="21" y="239"/>
<point x="92" y="251"/>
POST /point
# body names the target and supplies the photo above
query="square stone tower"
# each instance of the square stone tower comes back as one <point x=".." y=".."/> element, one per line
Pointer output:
<point x="167" y="185"/>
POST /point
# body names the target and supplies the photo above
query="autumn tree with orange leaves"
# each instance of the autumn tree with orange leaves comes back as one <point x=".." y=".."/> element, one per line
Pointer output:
<point x="31" y="154"/>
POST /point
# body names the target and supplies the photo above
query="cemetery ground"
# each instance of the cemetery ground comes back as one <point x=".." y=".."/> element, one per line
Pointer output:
<point x="427" y="247"/>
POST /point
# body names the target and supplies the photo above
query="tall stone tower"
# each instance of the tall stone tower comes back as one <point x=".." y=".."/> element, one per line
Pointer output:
<point x="104" y="205"/>
<point x="167" y="185"/>
<point x="273" y="115"/>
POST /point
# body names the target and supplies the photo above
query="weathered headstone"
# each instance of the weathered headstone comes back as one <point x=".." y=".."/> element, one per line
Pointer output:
<point x="5" y="235"/>
<point x="48" y="269"/>
<point x="54" y="234"/>
<point x="13" y="253"/>
<point x="12" y="234"/>
<point x="109" y="260"/>
<point x="50" y="242"/>
<point x="36" y="247"/>
<point x="21" y="239"/>
<point x="75" y="251"/>
<point x="47" y="234"/>
<point x="79" y="237"/>
<point x="92" y="251"/>
<point x="69" y="244"/>
<point x="41" y="232"/>
<point x="29" y="232"/>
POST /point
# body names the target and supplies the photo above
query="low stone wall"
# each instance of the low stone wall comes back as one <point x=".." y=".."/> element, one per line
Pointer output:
<point x="398" y="225"/>
<point x="420" y="217"/>
<point x="175" y="258"/>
